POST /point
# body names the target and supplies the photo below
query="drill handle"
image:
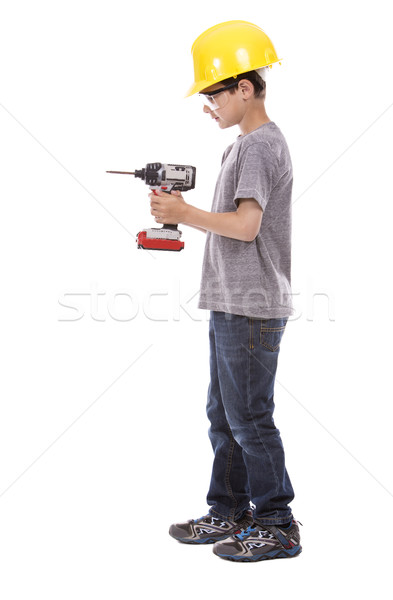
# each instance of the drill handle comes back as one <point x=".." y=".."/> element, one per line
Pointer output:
<point x="166" y="226"/>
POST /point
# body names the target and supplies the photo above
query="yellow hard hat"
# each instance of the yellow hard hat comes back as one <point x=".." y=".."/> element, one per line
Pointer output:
<point x="229" y="49"/>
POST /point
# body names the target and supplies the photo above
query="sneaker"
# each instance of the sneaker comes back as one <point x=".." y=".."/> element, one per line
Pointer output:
<point x="261" y="542"/>
<point x="209" y="529"/>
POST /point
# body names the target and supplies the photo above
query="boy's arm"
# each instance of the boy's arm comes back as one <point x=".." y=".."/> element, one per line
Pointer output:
<point x="195" y="227"/>
<point x="243" y="224"/>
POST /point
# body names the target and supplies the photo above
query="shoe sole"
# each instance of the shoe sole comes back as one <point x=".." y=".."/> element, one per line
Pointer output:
<point x="295" y="551"/>
<point x="203" y="541"/>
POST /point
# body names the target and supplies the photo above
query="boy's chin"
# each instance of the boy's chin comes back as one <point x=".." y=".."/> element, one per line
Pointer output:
<point x="224" y="124"/>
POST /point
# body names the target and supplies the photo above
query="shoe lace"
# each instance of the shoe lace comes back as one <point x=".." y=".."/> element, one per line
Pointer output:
<point x="263" y="533"/>
<point x="244" y="533"/>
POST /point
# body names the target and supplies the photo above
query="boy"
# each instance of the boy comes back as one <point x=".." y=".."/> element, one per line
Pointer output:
<point x="246" y="286"/>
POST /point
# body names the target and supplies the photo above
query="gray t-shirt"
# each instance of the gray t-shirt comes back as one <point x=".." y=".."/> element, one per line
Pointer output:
<point x="252" y="278"/>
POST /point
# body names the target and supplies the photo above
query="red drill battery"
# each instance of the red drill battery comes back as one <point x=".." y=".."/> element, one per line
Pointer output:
<point x="146" y="242"/>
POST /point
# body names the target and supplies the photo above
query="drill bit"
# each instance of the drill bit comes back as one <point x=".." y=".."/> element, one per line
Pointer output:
<point x="121" y="172"/>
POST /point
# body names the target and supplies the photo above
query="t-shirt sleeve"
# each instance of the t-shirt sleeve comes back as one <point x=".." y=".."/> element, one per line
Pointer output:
<point x="257" y="174"/>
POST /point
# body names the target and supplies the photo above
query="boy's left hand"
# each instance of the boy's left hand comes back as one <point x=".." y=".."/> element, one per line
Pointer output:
<point x="167" y="208"/>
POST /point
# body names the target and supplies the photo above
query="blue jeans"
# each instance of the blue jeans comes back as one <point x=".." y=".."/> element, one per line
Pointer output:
<point x="249" y="462"/>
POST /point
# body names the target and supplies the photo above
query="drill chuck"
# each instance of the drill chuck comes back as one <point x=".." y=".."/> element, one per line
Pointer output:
<point x="140" y="173"/>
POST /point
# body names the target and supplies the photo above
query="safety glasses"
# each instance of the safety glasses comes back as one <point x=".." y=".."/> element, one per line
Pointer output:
<point x="217" y="99"/>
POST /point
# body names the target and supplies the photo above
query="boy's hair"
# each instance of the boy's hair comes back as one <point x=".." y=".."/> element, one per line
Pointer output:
<point x="257" y="81"/>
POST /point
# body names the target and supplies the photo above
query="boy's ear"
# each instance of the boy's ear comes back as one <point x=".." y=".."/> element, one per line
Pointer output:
<point x="246" y="88"/>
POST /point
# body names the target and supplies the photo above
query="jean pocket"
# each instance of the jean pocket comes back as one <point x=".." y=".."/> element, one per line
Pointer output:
<point x="271" y="333"/>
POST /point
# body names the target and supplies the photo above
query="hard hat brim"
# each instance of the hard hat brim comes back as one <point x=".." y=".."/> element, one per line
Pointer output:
<point x="201" y="85"/>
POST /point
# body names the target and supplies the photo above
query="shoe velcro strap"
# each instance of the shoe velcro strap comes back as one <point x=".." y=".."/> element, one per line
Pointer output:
<point x="281" y="538"/>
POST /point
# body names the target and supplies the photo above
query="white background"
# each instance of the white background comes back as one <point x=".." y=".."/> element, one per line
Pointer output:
<point x="104" y="355"/>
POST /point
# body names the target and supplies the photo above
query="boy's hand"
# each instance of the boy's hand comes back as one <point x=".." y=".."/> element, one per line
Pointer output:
<point x="168" y="208"/>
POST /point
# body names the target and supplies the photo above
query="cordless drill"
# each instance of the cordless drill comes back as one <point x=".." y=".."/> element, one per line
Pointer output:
<point x="165" y="177"/>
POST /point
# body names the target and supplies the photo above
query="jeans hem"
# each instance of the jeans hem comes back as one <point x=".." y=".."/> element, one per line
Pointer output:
<point x="281" y="521"/>
<point x="237" y="516"/>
